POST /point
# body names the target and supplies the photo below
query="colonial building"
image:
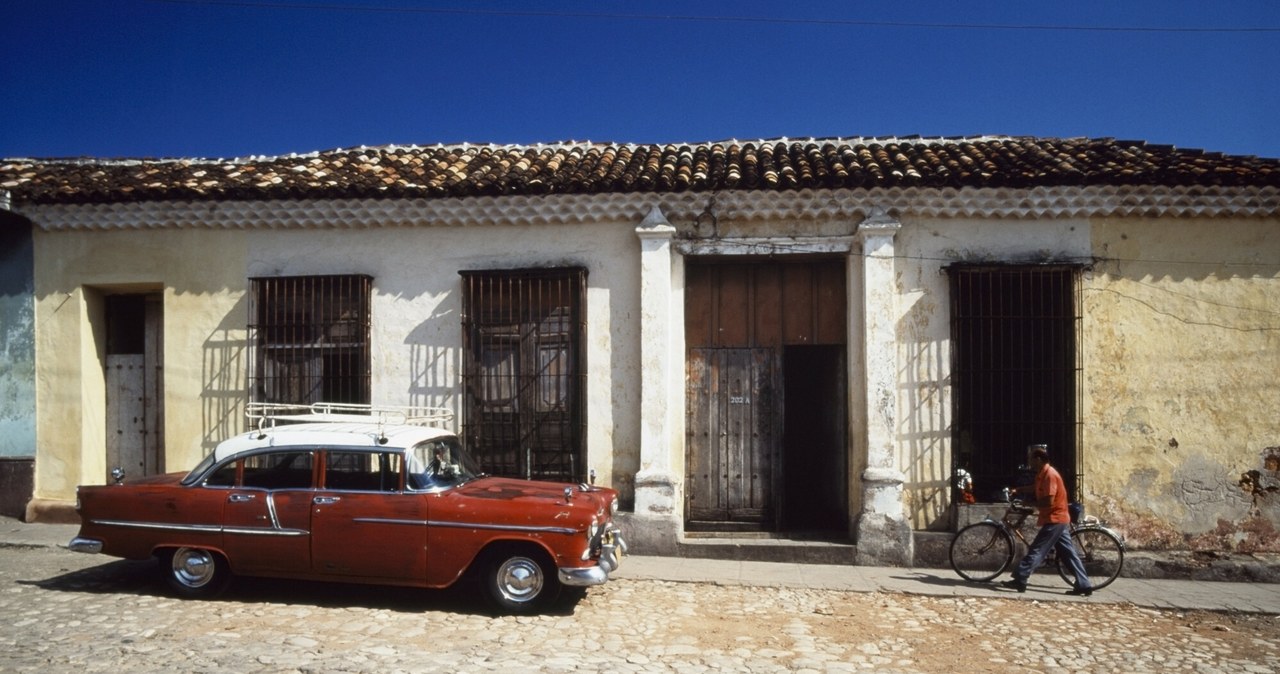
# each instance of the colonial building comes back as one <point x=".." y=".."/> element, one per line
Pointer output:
<point x="784" y="337"/>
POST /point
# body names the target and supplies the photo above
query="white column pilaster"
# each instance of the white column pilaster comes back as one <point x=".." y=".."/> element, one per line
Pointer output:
<point x="657" y="511"/>
<point x="884" y="535"/>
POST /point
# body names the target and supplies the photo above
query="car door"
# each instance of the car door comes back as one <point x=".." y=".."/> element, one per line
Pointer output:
<point x="363" y="523"/>
<point x="266" y="518"/>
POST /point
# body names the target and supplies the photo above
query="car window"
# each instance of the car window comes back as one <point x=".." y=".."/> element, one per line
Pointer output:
<point x="278" y="470"/>
<point x="439" y="463"/>
<point x="224" y="476"/>
<point x="362" y="471"/>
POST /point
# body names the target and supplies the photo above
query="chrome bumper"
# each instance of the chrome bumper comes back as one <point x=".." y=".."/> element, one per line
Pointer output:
<point x="90" y="545"/>
<point x="611" y="551"/>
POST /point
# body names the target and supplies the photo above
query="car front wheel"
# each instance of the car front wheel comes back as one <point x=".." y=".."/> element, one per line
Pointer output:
<point x="194" y="573"/>
<point x="520" y="581"/>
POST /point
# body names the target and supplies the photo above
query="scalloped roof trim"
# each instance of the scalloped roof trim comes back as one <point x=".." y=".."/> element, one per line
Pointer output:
<point x="805" y="205"/>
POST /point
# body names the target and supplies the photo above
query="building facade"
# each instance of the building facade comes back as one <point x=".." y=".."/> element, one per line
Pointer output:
<point x="785" y="337"/>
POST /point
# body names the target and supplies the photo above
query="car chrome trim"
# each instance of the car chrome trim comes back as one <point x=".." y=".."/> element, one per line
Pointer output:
<point x="202" y="528"/>
<point x="467" y="525"/>
<point x="584" y="577"/>
<point x="271" y="510"/>
<point x="205" y="528"/>
<point x="265" y="531"/>
<point x="88" y="545"/>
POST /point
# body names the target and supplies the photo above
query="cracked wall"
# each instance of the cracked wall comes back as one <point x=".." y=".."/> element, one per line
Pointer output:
<point x="1181" y="348"/>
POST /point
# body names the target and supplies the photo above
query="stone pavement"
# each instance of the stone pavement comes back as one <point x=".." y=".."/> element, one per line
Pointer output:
<point x="1246" y="597"/>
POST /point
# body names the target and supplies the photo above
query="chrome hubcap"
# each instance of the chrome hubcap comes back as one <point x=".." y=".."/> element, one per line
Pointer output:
<point x="192" y="567"/>
<point x="520" y="579"/>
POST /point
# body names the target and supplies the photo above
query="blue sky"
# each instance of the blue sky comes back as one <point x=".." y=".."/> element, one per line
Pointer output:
<point x="231" y="78"/>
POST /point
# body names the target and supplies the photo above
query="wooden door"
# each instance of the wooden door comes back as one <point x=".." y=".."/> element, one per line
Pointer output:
<point x="134" y="375"/>
<point x="131" y="417"/>
<point x="732" y="437"/>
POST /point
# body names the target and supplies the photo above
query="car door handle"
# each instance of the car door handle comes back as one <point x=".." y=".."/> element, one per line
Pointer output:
<point x="241" y="498"/>
<point x="326" y="500"/>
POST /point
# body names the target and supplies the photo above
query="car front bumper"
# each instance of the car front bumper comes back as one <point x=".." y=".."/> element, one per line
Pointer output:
<point x="612" y="549"/>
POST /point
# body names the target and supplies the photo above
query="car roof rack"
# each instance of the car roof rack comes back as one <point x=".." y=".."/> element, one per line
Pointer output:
<point x="267" y="415"/>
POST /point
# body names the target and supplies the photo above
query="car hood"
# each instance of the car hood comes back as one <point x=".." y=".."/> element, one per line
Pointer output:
<point x="509" y="489"/>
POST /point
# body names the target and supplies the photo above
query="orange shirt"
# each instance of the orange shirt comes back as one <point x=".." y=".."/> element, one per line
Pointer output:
<point x="1049" y="485"/>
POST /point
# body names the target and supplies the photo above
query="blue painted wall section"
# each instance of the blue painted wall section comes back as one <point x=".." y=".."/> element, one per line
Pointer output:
<point x="17" y="365"/>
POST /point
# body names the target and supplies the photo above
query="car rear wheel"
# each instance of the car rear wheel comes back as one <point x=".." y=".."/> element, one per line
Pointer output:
<point x="520" y="580"/>
<point x="194" y="573"/>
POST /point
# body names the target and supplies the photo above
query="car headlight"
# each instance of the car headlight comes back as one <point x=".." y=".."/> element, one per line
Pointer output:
<point x="613" y="506"/>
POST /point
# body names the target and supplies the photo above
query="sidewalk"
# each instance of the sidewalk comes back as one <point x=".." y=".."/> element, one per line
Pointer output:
<point x="1247" y="597"/>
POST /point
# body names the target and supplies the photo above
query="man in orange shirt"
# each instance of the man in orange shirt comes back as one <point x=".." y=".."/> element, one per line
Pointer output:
<point x="1055" y="530"/>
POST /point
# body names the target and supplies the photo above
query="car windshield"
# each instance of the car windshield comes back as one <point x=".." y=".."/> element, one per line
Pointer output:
<point x="197" y="472"/>
<point x="439" y="463"/>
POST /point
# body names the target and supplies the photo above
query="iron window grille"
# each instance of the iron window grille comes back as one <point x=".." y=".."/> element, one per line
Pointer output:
<point x="310" y="339"/>
<point x="1015" y="331"/>
<point x="524" y="371"/>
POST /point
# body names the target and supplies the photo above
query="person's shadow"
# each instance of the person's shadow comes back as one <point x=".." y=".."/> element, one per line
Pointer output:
<point x="940" y="580"/>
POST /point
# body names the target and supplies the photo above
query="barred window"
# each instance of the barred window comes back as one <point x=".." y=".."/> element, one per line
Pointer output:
<point x="1015" y="370"/>
<point x="523" y="373"/>
<point x="310" y="339"/>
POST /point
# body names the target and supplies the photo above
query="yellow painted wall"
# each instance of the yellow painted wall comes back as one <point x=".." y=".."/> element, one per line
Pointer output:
<point x="1182" y="381"/>
<point x="201" y="276"/>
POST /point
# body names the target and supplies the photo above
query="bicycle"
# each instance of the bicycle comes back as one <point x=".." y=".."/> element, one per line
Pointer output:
<point x="983" y="550"/>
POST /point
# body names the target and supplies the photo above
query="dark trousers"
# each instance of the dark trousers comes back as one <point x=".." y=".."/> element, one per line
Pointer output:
<point x="1057" y="536"/>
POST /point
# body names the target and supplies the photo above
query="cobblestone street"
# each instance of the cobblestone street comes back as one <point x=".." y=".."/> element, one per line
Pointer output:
<point x="71" y="612"/>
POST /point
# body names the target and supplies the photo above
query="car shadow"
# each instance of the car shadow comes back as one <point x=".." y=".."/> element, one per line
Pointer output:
<point x="142" y="578"/>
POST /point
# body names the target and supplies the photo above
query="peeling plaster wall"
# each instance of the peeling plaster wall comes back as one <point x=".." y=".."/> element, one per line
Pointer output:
<point x="924" y="247"/>
<point x="416" y="343"/>
<point x="1181" y="354"/>
<point x="17" y="366"/>
<point x="17" y="344"/>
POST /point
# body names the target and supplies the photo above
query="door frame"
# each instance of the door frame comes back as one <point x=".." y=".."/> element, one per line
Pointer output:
<point x="768" y="303"/>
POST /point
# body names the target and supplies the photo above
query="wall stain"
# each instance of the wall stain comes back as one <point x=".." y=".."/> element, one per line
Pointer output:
<point x="1217" y="513"/>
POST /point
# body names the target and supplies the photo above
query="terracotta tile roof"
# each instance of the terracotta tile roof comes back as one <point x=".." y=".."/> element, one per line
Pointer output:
<point x="585" y="168"/>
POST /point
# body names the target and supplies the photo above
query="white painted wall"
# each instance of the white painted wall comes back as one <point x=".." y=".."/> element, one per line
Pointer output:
<point x="924" y="247"/>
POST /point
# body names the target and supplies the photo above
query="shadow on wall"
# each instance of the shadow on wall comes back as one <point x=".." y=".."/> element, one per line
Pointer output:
<point x="924" y="431"/>
<point x="435" y="368"/>
<point x="223" y="372"/>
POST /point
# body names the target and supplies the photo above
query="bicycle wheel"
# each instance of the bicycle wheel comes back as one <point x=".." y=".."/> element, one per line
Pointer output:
<point x="981" y="551"/>
<point x="1100" y="551"/>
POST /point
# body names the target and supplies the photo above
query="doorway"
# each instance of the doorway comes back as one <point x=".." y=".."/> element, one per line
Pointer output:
<point x="815" y="458"/>
<point x="766" y="443"/>
<point x="134" y="380"/>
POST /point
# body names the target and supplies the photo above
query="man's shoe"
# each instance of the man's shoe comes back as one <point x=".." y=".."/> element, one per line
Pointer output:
<point x="1088" y="591"/>
<point x="1013" y="584"/>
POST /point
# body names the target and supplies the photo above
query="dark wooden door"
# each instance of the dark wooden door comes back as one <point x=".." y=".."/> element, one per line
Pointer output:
<point x="732" y="437"/>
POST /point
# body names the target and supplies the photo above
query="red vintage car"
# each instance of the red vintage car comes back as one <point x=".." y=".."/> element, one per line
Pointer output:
<point x="355" y="494"/>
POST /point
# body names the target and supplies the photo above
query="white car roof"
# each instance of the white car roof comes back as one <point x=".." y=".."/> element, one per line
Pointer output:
<point x="335" y="433"/>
